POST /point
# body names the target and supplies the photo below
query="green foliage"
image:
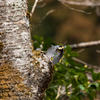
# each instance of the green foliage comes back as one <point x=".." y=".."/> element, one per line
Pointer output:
<point x="70" y="79"/>
<point x="41" y="43"/>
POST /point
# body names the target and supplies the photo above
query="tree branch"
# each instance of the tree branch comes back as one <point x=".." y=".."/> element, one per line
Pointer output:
<point x="96" y="68"/>
<point x="85" y="44"/>
<point x="86" y="64"/>
<point x="33" y="8"/>
<point x="40" y="21"/>
<point x="76" y="9"/>
<point x="81" y="3"/>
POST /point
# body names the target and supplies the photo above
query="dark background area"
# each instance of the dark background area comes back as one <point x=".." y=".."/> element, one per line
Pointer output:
<point x="66" y="26"/>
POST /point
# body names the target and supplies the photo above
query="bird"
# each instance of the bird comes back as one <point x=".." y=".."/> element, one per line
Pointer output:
<point x="56" y="52"/>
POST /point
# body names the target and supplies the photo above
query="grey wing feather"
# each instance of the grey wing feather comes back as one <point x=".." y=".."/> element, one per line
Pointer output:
<point x="51" y="51"/>
<point x="57" y="58"/>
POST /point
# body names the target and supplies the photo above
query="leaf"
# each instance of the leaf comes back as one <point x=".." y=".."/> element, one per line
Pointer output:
<point x="95" y="76"/>
<point x="99" y="76"/>
<point x="94" y="85"/>
<point x="68" y="48"/>
<point x="38" y="39"/>
<point x="90" y="96"/>
<point x="71" y="61"/>
<point x="81" y="87"/>
<point x="74" y="98"/>
<point x="74" y="54"/>
<point x="74" y="82"/>
<point x="36" y="45"/>
<point x="93" y="93"/>
<point x="47" y="43"/>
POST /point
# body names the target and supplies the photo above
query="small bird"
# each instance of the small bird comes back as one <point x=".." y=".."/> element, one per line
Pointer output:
<point x="56" y="52"/>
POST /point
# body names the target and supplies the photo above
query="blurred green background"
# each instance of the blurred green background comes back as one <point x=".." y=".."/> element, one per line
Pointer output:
<point x="66" y="26"/>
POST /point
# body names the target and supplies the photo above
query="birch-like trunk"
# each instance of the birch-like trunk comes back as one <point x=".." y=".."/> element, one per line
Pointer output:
<point x="24" y="75"/>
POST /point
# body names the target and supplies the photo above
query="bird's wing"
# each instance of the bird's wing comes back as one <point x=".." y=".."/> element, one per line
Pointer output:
<point x="51" y="51"/>
<point x="57" y="58"/>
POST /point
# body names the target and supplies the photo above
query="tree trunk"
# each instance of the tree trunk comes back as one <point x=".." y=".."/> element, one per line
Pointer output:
<point x="24" y="75"/>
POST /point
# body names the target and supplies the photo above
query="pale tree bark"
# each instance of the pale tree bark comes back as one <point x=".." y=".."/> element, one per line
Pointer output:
<point x="24" y="74"/>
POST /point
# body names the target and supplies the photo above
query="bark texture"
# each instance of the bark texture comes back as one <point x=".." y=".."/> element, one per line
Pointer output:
<point x="24" y="75"/>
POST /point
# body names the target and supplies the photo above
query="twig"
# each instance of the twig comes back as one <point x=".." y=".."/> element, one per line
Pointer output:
<point x="61" y="91"/>
<point x="33" y="8"/>
<point x="85" y="45"/>
<point x="84" y="3"/>
<point x="49" y="12"/>
<point x="41" y="5"/>
<point x="98" y="10"/>
<point x="89" y="75"/>
<point x="58" y="94"/>
<point x="98" y="51"/>
<point x="76" y="9"/>
<point x="80" y="51"/>
<point x="86" y="64"/>
<point x="80" y="61"/>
